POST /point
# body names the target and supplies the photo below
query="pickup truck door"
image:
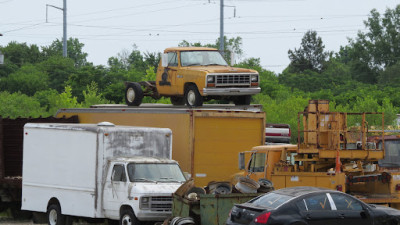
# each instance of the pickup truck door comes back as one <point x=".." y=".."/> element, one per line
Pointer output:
<point x="115" y="190"/>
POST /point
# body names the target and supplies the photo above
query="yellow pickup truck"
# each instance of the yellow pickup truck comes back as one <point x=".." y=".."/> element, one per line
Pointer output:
<point x="192" y="75"/>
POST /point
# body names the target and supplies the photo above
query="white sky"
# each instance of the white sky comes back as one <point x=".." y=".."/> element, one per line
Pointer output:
<point x="269" y="28"/>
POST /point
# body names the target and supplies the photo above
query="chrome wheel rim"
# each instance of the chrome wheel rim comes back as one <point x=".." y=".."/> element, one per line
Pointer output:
<point x="191" y="97"/>
<point x="130" y="94"/>
<point x="126" y="220"/>
<point x="53" y="217"/>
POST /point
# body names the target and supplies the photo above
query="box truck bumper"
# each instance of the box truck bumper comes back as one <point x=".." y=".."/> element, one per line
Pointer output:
<point x="152" y="216"/>
<point x="230" y="91"/>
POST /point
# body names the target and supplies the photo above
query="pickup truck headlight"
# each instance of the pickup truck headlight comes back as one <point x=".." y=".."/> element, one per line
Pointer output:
<point x="254" y="78"/>
<point x="210" y="79"/>
<point x="144" y="203"/>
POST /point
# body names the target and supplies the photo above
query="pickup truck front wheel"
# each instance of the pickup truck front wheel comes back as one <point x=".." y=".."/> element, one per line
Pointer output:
<point x="128" y="218"/>
<point x="133" y="94"/>
<point x="193" y="97"/>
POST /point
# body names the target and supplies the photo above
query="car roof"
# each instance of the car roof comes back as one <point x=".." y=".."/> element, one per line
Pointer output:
<point x="303" y="190"/>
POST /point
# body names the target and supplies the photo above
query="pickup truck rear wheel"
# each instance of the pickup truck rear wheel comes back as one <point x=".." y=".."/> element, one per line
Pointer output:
<point x="193" y="97"/>
<point x="242" y="100"/>
<point x="128" y="218"/>
<point x="133" y="94"/>
<point x="54" y="216"/>
<point x="177" y="100"/>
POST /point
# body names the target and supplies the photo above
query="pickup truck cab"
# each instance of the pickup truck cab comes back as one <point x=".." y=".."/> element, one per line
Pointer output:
<point x="192" y="75"/>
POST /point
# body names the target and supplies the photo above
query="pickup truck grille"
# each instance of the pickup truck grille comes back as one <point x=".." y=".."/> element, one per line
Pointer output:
<point x="233" y="80"/>
<point x="161" y="203"/>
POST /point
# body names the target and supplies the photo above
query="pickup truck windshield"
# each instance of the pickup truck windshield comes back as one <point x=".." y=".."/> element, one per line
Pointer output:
<point x="155" y="172"/>
<point x="202" y="58"/>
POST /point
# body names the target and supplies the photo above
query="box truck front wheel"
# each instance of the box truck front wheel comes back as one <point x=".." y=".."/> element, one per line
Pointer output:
<point x="128" y="218"/>
<point x="54" y="216"/>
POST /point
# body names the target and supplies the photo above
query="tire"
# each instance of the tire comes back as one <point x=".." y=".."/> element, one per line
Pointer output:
<point x="242" y="100"/>
<point x="193" y="97"/>
<point x="128" y="218"/>
<point x="133" y="94"/>
<point x="177" y="100"/>
<point x="54" y="216"/>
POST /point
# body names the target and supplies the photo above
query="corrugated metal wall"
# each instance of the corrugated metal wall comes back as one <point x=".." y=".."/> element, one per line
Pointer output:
<point x="11" y="142"/>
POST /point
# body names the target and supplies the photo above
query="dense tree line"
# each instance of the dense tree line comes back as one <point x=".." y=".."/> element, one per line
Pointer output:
<point x="364" y="76"/>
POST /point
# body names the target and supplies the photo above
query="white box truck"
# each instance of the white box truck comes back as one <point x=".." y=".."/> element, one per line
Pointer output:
<point x="98" y="171"/>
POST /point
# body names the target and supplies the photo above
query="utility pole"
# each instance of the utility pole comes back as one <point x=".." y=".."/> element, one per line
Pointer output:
<point x="221" y="29"/>
<point x="64" y="9"/>
<point x="65" y="29"/>
<point x="1" y="55"/>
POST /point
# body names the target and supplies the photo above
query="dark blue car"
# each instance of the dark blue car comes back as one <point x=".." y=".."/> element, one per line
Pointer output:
<point x="313" y="206"/>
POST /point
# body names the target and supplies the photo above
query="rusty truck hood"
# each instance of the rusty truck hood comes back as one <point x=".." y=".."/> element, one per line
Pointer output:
<point x="219" y="69"/>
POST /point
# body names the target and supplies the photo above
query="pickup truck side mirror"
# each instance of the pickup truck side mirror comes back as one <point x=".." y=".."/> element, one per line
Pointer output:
<point x="241" y="161"/>
<point x="164" y="60"/>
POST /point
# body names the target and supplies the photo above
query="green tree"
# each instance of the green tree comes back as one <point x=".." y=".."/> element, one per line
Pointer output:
<point x="18" y="54"/>
<point x="27" y="80"/>
<point x="19" y="105"/>
<point x="74" y="51"/>
<point x="377" y="48"/>
<point x="391" y="75"/>
<point x="59" y="69"/>
<point x="310" y="55"/>
<point x="62" y="101"/>
<point x="92" y="96"/>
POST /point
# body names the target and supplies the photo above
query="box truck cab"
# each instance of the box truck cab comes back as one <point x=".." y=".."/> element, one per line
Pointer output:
<point x="99" y="171"/>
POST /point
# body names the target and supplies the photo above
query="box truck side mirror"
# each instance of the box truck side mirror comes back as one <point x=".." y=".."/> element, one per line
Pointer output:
<point x="241" y="161"/>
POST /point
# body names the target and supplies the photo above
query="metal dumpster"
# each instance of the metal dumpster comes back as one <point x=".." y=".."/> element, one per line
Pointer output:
<point x="210" y="209"/>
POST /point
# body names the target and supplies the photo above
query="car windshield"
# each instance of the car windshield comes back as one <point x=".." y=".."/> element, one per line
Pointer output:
<point x="202" y="58"/>
<point x="271" y="200"/>
<point x="155" y="172"/>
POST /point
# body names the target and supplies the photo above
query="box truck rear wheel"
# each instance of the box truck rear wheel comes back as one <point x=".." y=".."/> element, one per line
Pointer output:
<point x="128" y="218"/>
<point x="133" y="94"/>
<point x="54" y="216"/>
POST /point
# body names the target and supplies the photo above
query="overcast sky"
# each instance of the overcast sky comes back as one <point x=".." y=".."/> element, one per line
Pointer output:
<point x="269" y="28"/>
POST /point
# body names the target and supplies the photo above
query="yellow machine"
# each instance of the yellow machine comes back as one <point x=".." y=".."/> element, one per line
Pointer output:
<point x="330" y="153"/>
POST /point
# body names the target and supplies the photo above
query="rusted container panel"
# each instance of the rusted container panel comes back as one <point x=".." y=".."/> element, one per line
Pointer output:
<point x="11" y="142"/>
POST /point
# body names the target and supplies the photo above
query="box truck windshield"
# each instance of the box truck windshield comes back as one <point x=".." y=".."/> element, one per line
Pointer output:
<point x="155" y="172"/>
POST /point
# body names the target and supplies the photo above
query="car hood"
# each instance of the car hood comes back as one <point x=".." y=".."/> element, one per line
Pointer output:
<point x="154" y="188"/>
<point x="220" y="69"/>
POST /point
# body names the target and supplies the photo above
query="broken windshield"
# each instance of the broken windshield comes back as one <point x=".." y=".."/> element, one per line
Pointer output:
<point x="155" y="172"/>
<point x="202" y="58"/>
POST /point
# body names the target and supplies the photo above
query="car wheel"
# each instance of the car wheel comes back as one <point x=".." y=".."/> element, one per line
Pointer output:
<point x="128" y="218"/>
<point x="133" y="94"/>
<point x="54" y="216"/>
<point x="193" y="97"/>
<point x="242" y="100"/>
<point x="177" y="100"/>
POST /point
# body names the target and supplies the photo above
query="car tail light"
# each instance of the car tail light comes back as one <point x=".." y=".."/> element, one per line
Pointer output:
<point x="397" y="187"/>
<point x="263" y="218"/>
<point x="339" y="187"/>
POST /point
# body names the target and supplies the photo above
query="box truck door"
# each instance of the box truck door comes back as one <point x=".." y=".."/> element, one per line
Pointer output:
<point x="115" y="190"/>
